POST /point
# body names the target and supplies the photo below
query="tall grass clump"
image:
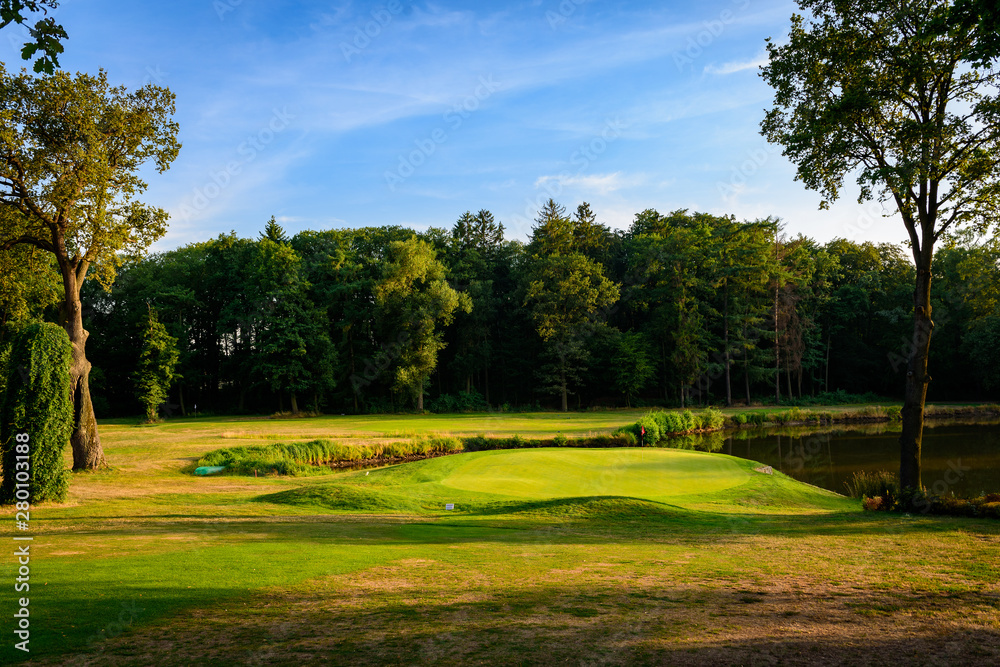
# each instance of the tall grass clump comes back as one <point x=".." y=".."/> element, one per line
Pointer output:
<point x="880" y="484"/>
<point x="297" y="458"/>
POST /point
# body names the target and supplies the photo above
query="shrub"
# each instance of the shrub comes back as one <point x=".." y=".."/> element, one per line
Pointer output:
<point x="560" y="440"/>
<point x="627" y="439"/>
<point x="740" y="418"/>
<point x="471" y="401"/>
<point x="894" y="413"/>
<point x="712" y="418"/>
<point x="36" y="401"/>
<point x="874" y="504"/>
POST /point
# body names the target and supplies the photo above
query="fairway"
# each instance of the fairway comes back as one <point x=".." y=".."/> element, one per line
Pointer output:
<point x="555" y="473"/>
<point x="552" y="555"/>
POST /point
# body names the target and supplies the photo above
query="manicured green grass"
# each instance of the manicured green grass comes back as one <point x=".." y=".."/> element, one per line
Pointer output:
<point x="617" y="556"/>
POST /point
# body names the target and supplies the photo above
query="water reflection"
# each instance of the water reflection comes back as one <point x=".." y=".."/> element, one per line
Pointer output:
<point x="959" y="456"/>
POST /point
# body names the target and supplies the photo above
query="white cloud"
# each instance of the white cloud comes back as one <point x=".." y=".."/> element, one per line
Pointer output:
<point x="599" y="183"/>
<point x="739" y="65"/>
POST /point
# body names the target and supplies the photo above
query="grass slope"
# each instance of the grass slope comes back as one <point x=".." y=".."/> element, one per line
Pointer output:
<point x="551" y="556"/>
<point x="497" y="482"/>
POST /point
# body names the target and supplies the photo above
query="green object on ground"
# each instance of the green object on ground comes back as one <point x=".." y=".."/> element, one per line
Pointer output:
<point x="208" y="470"/>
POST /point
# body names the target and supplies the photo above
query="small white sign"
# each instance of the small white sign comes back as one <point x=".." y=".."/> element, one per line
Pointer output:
<point x="449" y="506"/>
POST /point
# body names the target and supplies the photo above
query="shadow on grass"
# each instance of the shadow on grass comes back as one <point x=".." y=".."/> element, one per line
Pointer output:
<point x="437" y="620"/>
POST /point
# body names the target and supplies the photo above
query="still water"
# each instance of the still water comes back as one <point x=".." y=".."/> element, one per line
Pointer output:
<point x="960" y="457"/>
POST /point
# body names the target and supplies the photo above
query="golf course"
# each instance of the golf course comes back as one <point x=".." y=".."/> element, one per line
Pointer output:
<point x="549" y="555"/>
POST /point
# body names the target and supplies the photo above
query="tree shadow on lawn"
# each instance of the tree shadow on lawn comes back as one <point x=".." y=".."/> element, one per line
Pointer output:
<point x="378" y="618"/>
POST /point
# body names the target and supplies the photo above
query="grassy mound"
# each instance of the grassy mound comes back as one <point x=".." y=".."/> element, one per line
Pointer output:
<point x="615" y="484"/>
<point x="343" y="498"/>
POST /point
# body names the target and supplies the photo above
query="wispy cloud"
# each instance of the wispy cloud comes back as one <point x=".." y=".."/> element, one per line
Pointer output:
<point x="599" y="183"/>
<point x="739" y="65"/>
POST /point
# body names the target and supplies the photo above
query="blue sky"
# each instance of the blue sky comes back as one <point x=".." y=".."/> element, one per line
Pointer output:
<point x="346" y="114"/>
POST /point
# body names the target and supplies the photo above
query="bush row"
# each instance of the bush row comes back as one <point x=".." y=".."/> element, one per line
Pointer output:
<point x="660" y="424"/>
<point x="296" y="458"/>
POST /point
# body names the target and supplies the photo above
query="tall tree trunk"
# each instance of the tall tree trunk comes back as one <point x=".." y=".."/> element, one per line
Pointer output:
<point x="826" y="377"/>
<point x="663" y="365"/>
<point x="85" y="440"/>
<point x="746" y="379"/>
<point x="788" y="381"/>
<point x="486" y="382"/>
<point x="295" y="404"/>
<point x="565" y="390"/>
<point x="180" y="391"/>
<point x="777" y="354"/>
<point x="725" y="347"/>
<point x="911" y="438"/>
<point x="420" y="400"/>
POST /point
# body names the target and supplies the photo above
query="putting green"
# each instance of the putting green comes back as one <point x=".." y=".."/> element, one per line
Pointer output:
<point x="568" y="473"/>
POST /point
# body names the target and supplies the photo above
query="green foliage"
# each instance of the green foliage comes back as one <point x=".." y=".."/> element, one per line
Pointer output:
<point x="36" y="402"/>
<point x="712" y="419"/>
<point x="46" y="35"/>
<point x="567" y="294"/>
<point x="632" y="363"/>
<point x="415" y="299"/>
<point x="298" y="458"/>
<point x="461" y="402"/>
<point x="155" y="371"/>
<point x="661" y="424"/>
<point x="89" y="161"/>
<point x="301" y="458"/>
<point x="864" y="484"/>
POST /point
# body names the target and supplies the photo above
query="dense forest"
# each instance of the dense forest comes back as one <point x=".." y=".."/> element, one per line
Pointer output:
<point x="679" y="309"/>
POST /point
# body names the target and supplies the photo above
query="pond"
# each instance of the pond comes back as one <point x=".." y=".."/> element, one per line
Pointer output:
<point x="960" y="457"/>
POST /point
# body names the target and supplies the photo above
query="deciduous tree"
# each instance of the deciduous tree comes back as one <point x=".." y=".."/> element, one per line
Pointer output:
<point x="874" y="88"/>
<point x="71" y="148"/>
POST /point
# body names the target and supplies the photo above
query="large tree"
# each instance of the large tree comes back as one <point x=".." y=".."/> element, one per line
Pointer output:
<point x="567" y="295"/>
<point x="71" y="148"/>
<point x="874" y="88"/>
<point x="155" y="371"/>
<point x="413" y="298"/>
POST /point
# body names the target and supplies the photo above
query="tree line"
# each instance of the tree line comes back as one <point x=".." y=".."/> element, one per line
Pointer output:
<point x="678" y="309"/>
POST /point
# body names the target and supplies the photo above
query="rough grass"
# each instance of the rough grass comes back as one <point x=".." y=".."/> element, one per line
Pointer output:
<point x="148" y="564"/>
